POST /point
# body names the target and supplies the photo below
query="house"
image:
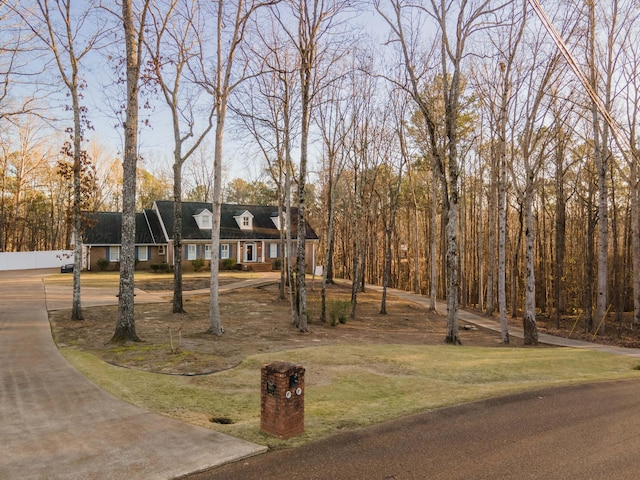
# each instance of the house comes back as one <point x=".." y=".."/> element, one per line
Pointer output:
<point x="250" y="234"/>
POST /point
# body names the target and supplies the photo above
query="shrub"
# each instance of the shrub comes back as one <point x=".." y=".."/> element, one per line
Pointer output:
<point x="338" y="312"/>
<point x="277" y="263"/>
<point x="160" y="267"/>
<point x="228" y="264"/>
<point x="334" y="318"/>
<point x="102" y="264"/>
<point x="198" y="264"/>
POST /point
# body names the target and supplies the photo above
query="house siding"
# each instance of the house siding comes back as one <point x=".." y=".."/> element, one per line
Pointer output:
<point x="95" y="253"/>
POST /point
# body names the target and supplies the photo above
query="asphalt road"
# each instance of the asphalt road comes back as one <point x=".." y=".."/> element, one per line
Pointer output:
<point x="579" y="432"/>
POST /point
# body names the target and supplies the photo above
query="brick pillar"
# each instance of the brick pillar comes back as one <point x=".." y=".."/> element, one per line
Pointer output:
<point x="282" y="399"/>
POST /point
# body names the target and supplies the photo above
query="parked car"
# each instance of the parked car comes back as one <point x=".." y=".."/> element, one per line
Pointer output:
<point x="68" y="268"/>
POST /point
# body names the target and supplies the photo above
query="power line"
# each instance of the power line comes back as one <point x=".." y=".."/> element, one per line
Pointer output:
<point x="621" y="140"/>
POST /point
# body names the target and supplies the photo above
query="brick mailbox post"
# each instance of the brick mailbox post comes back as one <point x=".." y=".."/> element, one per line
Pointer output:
<point x="282" y="399"/>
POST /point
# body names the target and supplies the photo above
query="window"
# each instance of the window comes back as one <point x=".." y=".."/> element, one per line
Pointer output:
<point x="273" y="250"/>
<point x="244" y="219"/>
<point x="224" y="251"/>
<point x="204" y="219"/>
<point x="161" y="250"/>
<point x="143" y="253"/>
<point x="207" y="252"/>
<point x="191" y="252"/>
<point x="114" y="253"/>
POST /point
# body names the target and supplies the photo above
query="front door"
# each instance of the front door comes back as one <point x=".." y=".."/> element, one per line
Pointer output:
<point x="250" y="252"/>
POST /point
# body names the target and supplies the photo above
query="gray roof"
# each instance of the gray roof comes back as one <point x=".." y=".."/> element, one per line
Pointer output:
<point x="105" y="228"/>
<point x="263" y="226"/>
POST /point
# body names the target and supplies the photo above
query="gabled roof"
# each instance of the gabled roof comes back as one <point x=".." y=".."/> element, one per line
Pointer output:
<point x="263" y="226"/>
<point x="105" y="228"/>
<point x="155" y="228"/>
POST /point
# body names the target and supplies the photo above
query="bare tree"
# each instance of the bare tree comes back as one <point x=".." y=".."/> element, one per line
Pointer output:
<point x="312" y="20"/>
<point x="173" y="45"/>
<point x="231" y="28"/>
<point x="631" y="94"/>
<point x="70" y="35"/>
<point x="496" y="86"/>
<point x="23" y="61"/>
<point x="532" y="149"/>
<point x="269" y="116"/>
<point x="335" y="122"/>
<point x="601" y="154"/>
<point x="468" y="18"/>
<point x="199" y="178"/>
<point x="399" y="116"/>
<point x="24" y="159"/>
<point x="134" y="23"/>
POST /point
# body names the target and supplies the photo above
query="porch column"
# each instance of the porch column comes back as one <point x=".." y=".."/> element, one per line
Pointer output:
<point x="239" y="254"/>
<point x="263" y="258"/>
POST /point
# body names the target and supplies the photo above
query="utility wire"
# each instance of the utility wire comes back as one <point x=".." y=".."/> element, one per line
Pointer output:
<point x="621" y="140"/>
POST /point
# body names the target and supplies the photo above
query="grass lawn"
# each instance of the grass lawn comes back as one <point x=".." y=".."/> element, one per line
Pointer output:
<point x="349" y="386"/>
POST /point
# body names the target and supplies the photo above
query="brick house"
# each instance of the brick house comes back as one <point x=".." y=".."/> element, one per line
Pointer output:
<point x="250" y="234"/>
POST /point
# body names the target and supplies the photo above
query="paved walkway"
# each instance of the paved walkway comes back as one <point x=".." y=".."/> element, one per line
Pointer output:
<point x="55" y="424"/>
<point x="493" y="324"/>
<point x="58" y="297"/>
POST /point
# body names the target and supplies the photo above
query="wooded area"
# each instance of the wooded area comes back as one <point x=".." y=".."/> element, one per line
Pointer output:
<point x="439" y="147"/>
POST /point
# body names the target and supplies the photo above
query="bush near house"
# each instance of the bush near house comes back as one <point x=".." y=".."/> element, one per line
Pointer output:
<point x="160" y="267"/>
<point x="228" y="264"/>
<point x="198" y="264"/>
<point x="102" y="264"/>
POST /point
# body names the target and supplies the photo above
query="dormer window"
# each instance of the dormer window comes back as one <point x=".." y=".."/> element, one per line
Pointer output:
<point x="275" y="218"/>
<point x="244" y="219"/>
<point x="204" y="219"/>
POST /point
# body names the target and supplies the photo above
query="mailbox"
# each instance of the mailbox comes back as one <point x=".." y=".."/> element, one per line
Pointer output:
<point x="282" y="399"/>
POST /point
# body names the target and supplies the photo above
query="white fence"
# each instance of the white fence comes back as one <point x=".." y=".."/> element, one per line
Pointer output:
<point x="31" y="260"/>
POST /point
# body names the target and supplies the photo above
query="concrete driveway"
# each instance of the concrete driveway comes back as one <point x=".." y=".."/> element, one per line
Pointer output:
<point x="55" y="424"/>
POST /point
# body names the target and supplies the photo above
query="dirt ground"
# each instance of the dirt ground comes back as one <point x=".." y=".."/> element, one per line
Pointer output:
<point x="255" y="320"/>
<point x="618" y="331"/>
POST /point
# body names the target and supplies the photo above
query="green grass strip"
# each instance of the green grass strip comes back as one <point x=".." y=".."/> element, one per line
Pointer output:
<point x="354" y="386"/>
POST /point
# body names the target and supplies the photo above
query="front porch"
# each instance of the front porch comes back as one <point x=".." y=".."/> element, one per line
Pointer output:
<point x="256" y="266"/>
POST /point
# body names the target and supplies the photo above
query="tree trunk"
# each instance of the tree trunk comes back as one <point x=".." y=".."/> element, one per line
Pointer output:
<point x="215" y="321"/>
<point x="493" y="222"/>
<point x="502" y="233"/>
<point x="329" y="250"/>
<point x="635" y="240"/>
<point x="529" y="318"/>
<point x="601" y="154"/>
<point x="125" y="326"/>
<point x="588" y="282"/>
<point x="76" y="310"/>
<point x="433" y="243"/>
<point x="561" y="226"/>
<point x="301" y="289"/>
<point x="177" y="237"/>
<point x="515" y="266"/>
